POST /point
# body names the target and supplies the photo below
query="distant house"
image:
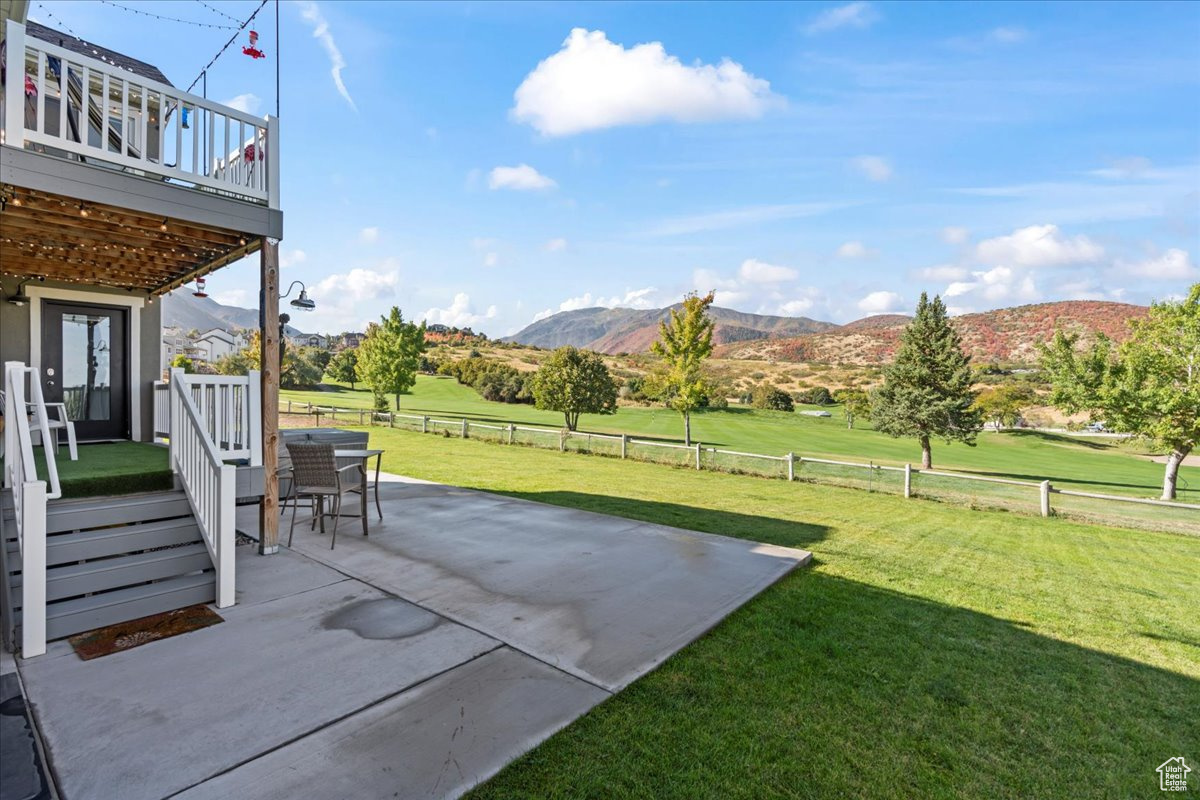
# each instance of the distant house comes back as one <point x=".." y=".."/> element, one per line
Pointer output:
<point x="215" y="344"/>
<point x="174" y="343"/>
<point x="350" y="340"/>
<point x="317" y="340"/>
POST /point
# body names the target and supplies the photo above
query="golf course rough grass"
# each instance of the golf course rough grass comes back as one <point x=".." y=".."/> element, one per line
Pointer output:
<point x="929" y="651"/>
<point x="1101" y="465"/>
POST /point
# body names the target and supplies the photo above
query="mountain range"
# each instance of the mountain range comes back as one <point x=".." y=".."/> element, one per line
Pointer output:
<point x="1007" y="335"/>
<point x="632" y="330"/>
<point x="182" y="309"/>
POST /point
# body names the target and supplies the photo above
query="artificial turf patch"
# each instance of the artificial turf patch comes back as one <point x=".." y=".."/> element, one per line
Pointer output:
<point x="112" y="468"/>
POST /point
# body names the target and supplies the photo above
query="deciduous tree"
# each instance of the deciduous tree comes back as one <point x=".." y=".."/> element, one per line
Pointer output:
<point x="684" y="342"/>
<point x="1148" y="386"/>
<point x="575" y="382"/>
<point x="855" y="403"/>
<point x="390" y="354"/>
<point x="1004" y="405"/>
<point x="342" y="367"/>
<point x="926" y="392"/>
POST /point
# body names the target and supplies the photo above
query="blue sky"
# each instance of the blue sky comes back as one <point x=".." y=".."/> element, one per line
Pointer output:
<point x="487" y="163"/>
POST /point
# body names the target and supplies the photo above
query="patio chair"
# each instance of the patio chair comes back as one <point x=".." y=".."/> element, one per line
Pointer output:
<point x="56" y="420"/>
<point x="316" y="476"/>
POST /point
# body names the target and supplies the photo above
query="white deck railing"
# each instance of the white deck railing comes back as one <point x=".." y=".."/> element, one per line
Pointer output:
<point x="113" y="116"/>
<point x="229" y="408"/>
<point x="29" y="498"/>
<point x="210" y="484"/>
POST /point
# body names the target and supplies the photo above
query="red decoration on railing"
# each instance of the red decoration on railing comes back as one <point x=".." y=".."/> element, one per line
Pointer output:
<point x="251" y="152"/>
<point x="253" y="50"/>
<point x="30" y="87"/>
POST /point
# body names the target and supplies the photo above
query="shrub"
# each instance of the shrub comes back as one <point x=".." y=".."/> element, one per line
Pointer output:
<point x="770" y="397"/>
<point x="816" y="396"/>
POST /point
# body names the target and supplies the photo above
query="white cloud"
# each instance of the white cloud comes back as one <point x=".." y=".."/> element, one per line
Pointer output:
<point x="521" y="178"/>
<point x="1008" y="34"/>
<point x="803" y="300"/>
<point x="795" y="307"/>
<point x="1172" y="265"/>
<point x="856" y="250"/>
<point x="1039" y="246"/>
<point x="851" y="15"/>
<point x="997" y="286"/>
<point x="881" y="303"/>
<point x="368" y="235"/>
<point x="1124" y="168"/>
<point x="952" y="234"/>
<point x="734" y="218"/>
<point x="875" y="168"/>
<point x="491" y="259"/>
<point x="755" y="271"/>
<point x="633" y="298"/>
<point x="459" y="314"/>
<point x="311" y="13"/>
<point x="555" y="245"/>
<point x="291" y="258"/>
<point x="246" y="103"/>
<point x="942" y="272"/>
<point x="355" y="286"/>
<point x="233" y="297"/>
<point x="593" y="83"/>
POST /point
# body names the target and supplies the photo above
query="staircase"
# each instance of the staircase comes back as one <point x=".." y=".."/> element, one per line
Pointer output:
<point x="112" y="559"/>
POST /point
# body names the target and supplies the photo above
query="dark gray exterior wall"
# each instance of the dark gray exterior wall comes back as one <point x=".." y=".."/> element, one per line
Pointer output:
<point x="14" y="338"/>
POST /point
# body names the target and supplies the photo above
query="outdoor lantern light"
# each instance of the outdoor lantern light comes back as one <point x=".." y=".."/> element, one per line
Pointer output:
<point x="20" y="298"/>
<point x="302" y="302"/>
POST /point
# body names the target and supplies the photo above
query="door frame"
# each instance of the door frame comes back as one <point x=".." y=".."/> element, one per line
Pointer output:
<point x="134" y="304"/>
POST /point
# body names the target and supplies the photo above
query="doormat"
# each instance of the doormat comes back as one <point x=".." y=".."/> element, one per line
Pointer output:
<point x="137" y="632"/>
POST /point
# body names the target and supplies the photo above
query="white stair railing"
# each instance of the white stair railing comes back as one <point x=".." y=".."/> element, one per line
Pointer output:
<point x="210" y="484"/>
<point x="29" y="501"/>
<point x="229" y="408"/>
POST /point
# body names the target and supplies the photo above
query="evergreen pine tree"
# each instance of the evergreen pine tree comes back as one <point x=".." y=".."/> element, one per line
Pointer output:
<point x="926" y="391"/>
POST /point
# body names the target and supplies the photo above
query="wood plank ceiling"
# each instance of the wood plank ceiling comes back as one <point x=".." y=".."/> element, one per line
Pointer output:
<point x="44" y="235"/>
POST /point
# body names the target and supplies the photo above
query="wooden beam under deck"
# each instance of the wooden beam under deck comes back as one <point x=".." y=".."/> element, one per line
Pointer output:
<point x="44" y="235"/>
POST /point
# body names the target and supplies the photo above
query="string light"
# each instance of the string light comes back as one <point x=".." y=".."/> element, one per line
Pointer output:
<point x="164" y="18"/>
<point x="219" y="12"/>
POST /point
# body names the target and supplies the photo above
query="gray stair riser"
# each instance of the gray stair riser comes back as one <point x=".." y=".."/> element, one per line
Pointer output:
<point x="63" y="518"/>
<point x="67" y="619"/>
<point x="66" y="548"/>
<point x="117" y="573"/>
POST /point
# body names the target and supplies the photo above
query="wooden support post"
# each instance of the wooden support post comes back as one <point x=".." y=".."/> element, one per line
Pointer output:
<point x="1044" y="488"/>
<point x="424" y="424"/>
<point x="464" y="428"/>
<point x="268" y="518"/>
<point x="562" y="441"/>
<point x="791" y="462"/>
<point x="360" y="417"/>
<point x="624" y="444"/>
<point x="512" y="432"/>
<point x="908" y="480"/>
<point x="697" y="455"/>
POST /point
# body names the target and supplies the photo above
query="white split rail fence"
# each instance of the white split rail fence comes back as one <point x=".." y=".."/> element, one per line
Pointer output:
<point x="790" y="465"/>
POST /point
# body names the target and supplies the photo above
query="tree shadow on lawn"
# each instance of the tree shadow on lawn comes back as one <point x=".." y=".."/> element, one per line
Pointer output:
<point x="828" y="687"/>
<point x="1056" y="480"/>
<point x="1061" y="438"/>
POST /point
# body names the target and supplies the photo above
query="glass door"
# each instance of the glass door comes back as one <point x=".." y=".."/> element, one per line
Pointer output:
<point x="85" y="367"/>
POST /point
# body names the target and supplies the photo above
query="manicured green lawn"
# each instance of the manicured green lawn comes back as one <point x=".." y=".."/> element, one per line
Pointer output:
<point x="1091" y="464"/>
<point x="930" y="651"/>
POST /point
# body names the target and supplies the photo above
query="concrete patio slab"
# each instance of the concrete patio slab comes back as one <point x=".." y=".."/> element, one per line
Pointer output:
<point x="154" y="720"/>
<point x="603" y="598"/>
<point x="436" y="740"/>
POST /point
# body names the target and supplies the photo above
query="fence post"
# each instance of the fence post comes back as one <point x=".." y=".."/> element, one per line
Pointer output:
<point x="870" y="476"/>
<point x="908" y="480"/>
<point x="289" y="402"/>
<point x="391" y="419"/>
<point x="512" y="431"/>
<point x="791" y="462"/>
<point x="424" y="424"/>
<point x="464" y="428"/>
<point x="1045" y="492"/>
<point x="360" y="413"/>
<point x="624" y="444"/>
<point x="697" y="455"/>
<point x="562" y="440"/>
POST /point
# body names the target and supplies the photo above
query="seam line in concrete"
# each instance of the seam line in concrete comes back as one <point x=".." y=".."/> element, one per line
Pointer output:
<point x="342" y="718"/>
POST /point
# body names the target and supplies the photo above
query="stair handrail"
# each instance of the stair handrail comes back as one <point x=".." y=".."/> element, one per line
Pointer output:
<point x="29" y="506"/>
<point x="209" y="483"/>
